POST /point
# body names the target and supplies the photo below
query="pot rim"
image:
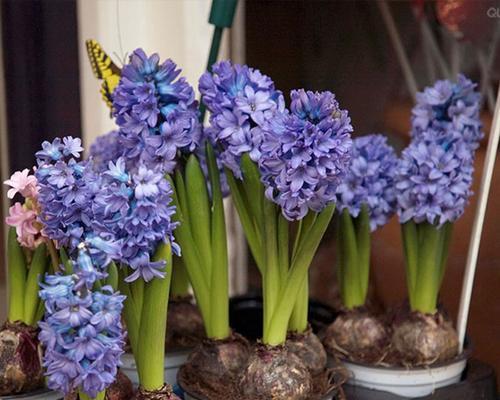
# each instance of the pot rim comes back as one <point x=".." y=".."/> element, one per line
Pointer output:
<point x="35" y="394"/>
<point x="464" y="355"/>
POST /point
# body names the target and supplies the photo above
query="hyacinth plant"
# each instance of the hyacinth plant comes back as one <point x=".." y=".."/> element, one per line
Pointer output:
<point x="81" y="331"/>
<point x="27" y="250"/>
<point x="366" y="199"/>
<point x="433" y="182"/>
<point x="158" y="119"/>
<point x="281" y="166"/>
<point x="433" y="185"/>
<point x="27" y="262"/>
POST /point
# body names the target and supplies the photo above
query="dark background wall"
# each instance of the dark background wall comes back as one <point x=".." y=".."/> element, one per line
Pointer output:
<point x="41" y="72"/>
<point x="40" y="56"/>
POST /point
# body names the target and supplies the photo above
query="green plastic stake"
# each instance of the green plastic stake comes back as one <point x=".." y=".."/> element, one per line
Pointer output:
<point x="222" y="13"/>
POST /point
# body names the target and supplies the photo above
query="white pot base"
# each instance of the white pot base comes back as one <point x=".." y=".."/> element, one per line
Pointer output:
<point x="408" y="383"/>
<point x="173" y="361"/>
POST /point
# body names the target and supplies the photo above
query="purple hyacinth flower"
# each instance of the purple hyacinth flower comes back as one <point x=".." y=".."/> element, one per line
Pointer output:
<point x="305" y="153"/>
<point x="370" y="180"/>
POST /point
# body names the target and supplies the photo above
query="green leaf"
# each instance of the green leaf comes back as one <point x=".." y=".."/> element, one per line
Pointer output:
<point x="199" y="212"/>
<point x="16" y="264"/>
<point x="37" y="269"/>
<point x="112" y="278"/>
<point x="219" y="287"/>
<point x="363" y="242"/>
<point x="276" y="332"/>
<point x="243" y="209"/>
<point x="411" y="246"/>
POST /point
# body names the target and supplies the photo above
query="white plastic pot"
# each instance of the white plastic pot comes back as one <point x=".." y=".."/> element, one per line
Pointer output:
<point x="173" y="361"/>
<point x="42" y="394"/>
<point x="410" y="383"/>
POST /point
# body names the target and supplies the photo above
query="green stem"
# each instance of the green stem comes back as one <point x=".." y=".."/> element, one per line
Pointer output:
<point x="190" y="253"/>
<point x="271" y="277"/>
<point x="275" y="333"/>
<point x="53" y="255"/>
<point x="254" y="190"/>
<point x="350" y="287"/>
<point x="180" y="279"/>
<point x="112" y="278"/>
<point x="130" y="311"/>
<point x="68" y="266"/>
<point x="17" y="277"/>
<point x="362" y="224"/>
<point x="150" y="357"/>
<point x="447" y="231"/>
<point x="37" y="269"/>
<point x="283" y="255"/>
<point x="299" y="318"/>
<point x="411" y="248"/>
<point x="199" y="213"/>
<point x="243" y="209"/>
<point x="426" y="288"/>
<point x="40" y="311"/>
<point x="219" y="287"/>
<point x="100" y="396"/>
<point x="137" y="292"/>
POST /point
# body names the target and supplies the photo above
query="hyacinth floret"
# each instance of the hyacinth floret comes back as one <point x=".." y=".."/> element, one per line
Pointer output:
<point x="104" y="149"/>
<point x="156" y="112"/>
<point x="305" y="153"/>
<point x="449" y="109"/>
<point x="81" y="333"/>
<point x="369" y="181"/>
<point x="241" y="100"/>
<point x="135" y="209"/>
<point x="24" y="216"/>
<point x="433" y="180"/>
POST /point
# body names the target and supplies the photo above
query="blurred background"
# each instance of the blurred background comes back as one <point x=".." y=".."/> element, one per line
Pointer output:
<point x="349" y="47"/>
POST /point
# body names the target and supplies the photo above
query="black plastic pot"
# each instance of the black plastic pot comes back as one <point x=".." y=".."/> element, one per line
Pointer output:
<point x="245" y="314"/>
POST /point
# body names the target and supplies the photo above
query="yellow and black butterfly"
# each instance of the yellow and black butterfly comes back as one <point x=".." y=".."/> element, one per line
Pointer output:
<point x="104" y="69"/>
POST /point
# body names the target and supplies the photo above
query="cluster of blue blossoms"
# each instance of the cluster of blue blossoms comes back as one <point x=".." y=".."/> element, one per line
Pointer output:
<point x="156" y="112"/>
<point x="369" y="181"/>
<point x="435" y="172"/>
<point x="241" y="100"/>
<point x="118" y="215"/>
<point x="135" y="210"/>
<point x="81" y="332"/>
<point x="448" y="110"/>
<point x="67" y="188"/>
<point x="305" y="153"/>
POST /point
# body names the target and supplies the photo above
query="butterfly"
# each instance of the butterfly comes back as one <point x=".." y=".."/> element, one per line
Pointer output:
<point x="104" y="69"/>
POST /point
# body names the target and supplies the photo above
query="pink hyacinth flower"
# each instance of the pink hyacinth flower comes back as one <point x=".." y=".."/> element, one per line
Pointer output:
<point x="23" y="183"/>
<point x="25" y="222"/>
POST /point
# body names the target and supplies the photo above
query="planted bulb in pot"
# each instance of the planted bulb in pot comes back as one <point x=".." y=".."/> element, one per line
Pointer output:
<point x="276" y="176"/>
<point x="433" y="187"/>
<point x="27" y="261"/>
<point x="365" y="201"/>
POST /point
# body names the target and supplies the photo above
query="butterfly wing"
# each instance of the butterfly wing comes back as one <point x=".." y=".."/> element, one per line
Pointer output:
<point x="104" y="69"/>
